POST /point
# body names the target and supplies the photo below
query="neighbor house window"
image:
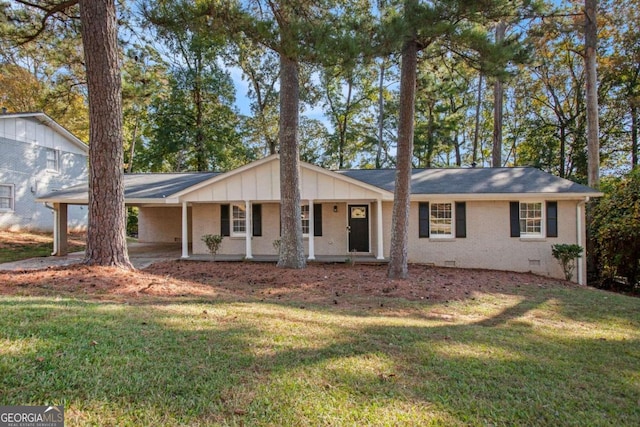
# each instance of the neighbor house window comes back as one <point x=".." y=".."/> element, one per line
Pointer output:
<point x="530" y="219"/>
<point x="440" y="220"/>
<point x="53" y="157"/>
<point x="305" y="219"/>
<point x="6" y="197"/>
<point x="239" y="220"/>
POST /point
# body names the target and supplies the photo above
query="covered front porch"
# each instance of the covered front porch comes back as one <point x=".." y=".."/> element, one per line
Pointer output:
<point x="334" y="230"/>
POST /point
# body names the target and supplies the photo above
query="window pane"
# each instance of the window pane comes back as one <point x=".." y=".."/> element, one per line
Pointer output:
<point x="52" y="159"/>
<point x="239" y="217"/>
<point x="305" y="218"/>
<point x="5" y="197"/>
<point x="440" y="219"/>
<point x="530" y="219"/>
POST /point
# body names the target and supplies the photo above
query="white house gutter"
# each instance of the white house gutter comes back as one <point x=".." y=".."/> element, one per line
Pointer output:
<point x="579" y="231"/>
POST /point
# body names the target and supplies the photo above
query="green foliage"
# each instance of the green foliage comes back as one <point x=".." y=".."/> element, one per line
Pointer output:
<point x="132" y="221"/>
<point x="213" y="242"/>
<point x="616" y="228"/>
<point x="567" y="255"/>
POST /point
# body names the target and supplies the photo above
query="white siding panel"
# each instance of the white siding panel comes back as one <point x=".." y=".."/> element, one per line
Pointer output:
<point x="31" y="131"/>
<point x="21" y="130"/>
<point x="248" y="183"/>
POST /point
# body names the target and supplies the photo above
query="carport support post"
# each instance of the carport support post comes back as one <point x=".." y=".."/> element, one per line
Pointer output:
<point x="185" y="231"/>
<point x="312" y="249"/>
<point x="248" y="229"/>
<point x="380" y="254"/>
<point x="60" y="246"/>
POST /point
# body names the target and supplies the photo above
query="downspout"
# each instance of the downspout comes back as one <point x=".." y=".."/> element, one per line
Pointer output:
<point x="579" y="231"/>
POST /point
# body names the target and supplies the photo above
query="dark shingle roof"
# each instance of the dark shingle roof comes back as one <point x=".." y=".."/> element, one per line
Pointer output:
<point x="522" y="180"/>
<point x="471" y="181"/>
<point x="143" y="185"/>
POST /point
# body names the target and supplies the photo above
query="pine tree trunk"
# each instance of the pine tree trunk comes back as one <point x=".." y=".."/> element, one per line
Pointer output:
<point x="398" y="262"/>
<point x="106" y="243"/>
<point x="634" y="136"/>
<point x="291" y="244"/>
<point x="498" y="102"/>
<point x="476" y="132"/>
<point x="590" y="42"/>
<point x="380" y="116"/>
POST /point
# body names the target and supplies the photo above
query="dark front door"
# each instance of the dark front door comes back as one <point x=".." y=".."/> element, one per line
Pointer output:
<point x="358" y="228"/>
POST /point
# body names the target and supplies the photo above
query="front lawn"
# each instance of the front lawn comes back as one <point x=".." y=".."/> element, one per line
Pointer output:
<point x="542" y="353"/>
<point x="16" y="246"/>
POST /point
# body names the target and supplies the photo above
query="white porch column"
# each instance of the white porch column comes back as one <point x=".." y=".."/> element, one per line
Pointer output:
<point x="248" y="229"/>
<point x="55" y="232"/>
<point x="185" y="231"/>
<point x="312" y="250"/>
<point x="380" y="254"/>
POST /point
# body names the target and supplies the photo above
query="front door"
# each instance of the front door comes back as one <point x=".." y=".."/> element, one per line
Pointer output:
<point x="358" y="228"/>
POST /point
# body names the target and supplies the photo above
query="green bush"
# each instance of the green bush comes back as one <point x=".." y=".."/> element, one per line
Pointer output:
<point x="132" y="221"/>
<point x="616" y="231"/>
<point x="567" y="255"/>
<point x="213" y="242"/>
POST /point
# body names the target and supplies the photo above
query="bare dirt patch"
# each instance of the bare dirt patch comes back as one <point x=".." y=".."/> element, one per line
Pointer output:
<point x="325" y="284"/>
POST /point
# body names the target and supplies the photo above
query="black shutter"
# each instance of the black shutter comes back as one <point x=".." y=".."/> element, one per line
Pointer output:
<point x="256" y="219"/>
<point x="515" y="218"/>
<point x="423" y="219"/>
<point x="461" y="219"/>
<point x="317" y="220"/>
<point x="552" y="219"/>
<point x="224" y="220"/>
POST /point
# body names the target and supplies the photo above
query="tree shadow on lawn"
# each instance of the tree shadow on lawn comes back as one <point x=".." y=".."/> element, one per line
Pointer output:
<point x="270" y="363"/>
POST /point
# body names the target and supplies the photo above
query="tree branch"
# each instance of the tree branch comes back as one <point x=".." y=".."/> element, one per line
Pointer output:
<point x="49" y="10"/>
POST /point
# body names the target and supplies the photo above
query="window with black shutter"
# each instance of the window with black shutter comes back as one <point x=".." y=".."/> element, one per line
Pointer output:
<point x="317" y="220"/>
<point x="256" y="219"/>
<point x="423" y="219"/>
<point x="552" y="219"/>
<point x="225" y="229"/>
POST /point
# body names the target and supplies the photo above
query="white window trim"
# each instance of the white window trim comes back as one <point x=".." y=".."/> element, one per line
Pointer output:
<point x="302" y="207"/>
<point x="542" y="234"/>
<point x="453" y="221"/>
<point x="12" y="197"/>
<point x="233" y="219"/>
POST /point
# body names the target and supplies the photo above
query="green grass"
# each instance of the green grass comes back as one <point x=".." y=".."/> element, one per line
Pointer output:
<point x="538" y="356"/>
<point x="15" y="246"/>
<point x="19" y="252"/>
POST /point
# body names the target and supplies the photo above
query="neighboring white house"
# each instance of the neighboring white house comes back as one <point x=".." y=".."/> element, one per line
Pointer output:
<point x="37" y="156"/>
<point x="493" y="218"/>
